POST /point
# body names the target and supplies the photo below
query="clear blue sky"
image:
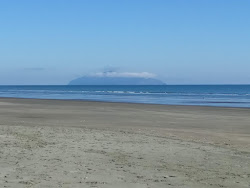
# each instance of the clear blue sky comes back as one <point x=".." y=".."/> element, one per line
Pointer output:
<point x="181" y="41"/>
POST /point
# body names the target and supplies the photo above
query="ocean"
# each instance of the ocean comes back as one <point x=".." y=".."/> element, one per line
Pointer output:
<point x="206" y="95"/>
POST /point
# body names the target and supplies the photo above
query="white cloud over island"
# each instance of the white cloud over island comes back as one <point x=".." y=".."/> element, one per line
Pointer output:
<point x="124" y="74"/>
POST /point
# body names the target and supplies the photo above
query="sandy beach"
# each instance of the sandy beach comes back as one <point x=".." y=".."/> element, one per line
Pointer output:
<point x="63" y="143"/>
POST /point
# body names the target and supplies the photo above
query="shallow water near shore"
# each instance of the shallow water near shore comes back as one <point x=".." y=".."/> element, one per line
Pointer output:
<point x="206" y="95"/>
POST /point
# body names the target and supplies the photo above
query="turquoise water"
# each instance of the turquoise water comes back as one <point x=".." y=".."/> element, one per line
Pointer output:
<point x="208" y="95"/>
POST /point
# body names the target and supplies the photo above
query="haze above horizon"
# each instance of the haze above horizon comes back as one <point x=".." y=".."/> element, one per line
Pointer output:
<point x="178" y="42"/>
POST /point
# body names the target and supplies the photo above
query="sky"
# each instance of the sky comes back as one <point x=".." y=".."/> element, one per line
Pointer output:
<point x="177" y="41"/>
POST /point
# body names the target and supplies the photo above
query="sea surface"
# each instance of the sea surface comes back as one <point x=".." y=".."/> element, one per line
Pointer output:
<point x="206" y="95"/>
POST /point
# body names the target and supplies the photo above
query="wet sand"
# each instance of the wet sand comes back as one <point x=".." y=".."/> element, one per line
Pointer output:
<point x="60" y="143"/>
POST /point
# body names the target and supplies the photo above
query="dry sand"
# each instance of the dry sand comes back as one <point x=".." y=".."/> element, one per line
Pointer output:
<point x="59" y="143"/>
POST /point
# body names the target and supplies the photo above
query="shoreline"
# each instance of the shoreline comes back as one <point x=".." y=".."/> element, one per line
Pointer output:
<point x="132" y="103"/>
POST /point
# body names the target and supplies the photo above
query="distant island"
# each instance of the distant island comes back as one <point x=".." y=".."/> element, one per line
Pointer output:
<point x="92" y="80"/>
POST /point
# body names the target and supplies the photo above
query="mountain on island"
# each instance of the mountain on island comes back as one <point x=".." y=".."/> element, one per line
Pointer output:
<point x="95" y="80"/>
